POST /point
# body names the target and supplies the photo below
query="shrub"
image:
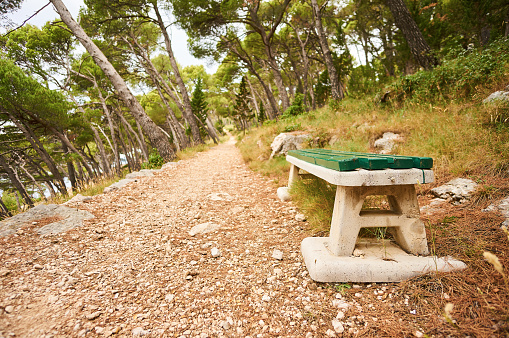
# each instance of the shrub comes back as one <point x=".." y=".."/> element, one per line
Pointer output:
<point x="296" y="108"/>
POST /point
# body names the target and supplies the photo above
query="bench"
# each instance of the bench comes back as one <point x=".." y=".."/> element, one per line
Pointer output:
<point x="357" y="176"/>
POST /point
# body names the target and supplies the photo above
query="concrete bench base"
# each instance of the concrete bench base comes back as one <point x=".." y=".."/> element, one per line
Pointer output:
<point x="381" y="261"/>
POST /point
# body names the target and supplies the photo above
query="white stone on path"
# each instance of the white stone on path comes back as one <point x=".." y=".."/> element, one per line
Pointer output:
<point x="139" y="332"/>
<point x="338" y="326"/>
<point x="283" y="194"/>
<point x="203" y="228"/>
<point x="300" y="217"/>
<point x="214" y="252"/>
<point x="277" y="254"/>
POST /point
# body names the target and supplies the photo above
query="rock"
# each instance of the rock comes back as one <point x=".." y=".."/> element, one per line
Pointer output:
<point x="142" y="173"/>
<point x="277" y="254"/>
<point x="4" y="272"/>
<point x="214" y="252"/>
<point x="78" y="199"/>
<point x="433" y="206"/>
<point x="220" y="196"/>
<point x="224" y="324"/>
<point x="266" y="298"/>
<point x="300" y="217"/>
<point x="502" y="206"/>
<point x="283" y="194"/>
<point x="203" y="228"/>
<point x="71" y="218"/>
<point x="358" y="253"/>
<point x="38" y="267"/>
<point x="338" y="326"/>
<point x="500" y="96"/>
<point x="330" y="333"/>
<point x="458" y="190"/>
<point x="93" y="315"/>
<point x="387" y="143"/>
<point x="288" y="141"/>
<point x="118" y="185"/>
<point x="334" y="139"/>
<point x="169" y="297"/>
<point x="169" y="165"/>
<point x="139" y="332"/>
<point x="9" y="308"/>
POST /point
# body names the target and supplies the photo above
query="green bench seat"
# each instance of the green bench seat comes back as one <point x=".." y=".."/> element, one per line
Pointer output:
<point x="347" y="161"/>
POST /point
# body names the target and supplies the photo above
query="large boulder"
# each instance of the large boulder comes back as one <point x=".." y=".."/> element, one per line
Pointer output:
<point x="285" y="142"/>
<point x="69" y="218"/>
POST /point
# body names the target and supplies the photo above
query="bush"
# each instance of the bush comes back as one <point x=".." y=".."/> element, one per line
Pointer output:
<point x="296" y="108"/>
<point x="154" y="161"/>
<point x="458" y="77"/>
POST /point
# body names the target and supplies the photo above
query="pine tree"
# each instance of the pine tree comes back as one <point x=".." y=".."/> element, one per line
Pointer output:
<point x="242" y="112"/>
<point x="261" y="115"/>
<point x="199" y="106"/>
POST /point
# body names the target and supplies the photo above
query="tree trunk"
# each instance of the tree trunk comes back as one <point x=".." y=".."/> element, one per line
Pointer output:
<point x="413" y="36"/>
<point x="253" y="98"/>
<point x="249" y="64"/>
<point x="71" y="173"/>
<point x="158" y="81"/>
<point x="100" y="145"/>
<point x="154" y="134"/>
<point x="305" y="66"/>
<point x="13" y="177"/>
<point x="336" y="86"/>
<point x="191" y="119"/>
<point x="128" y="126"/>
<point x="266" y="39"/>
<point x="5" y="211"/>
<point x="41" y="151"/>
<point x="134" y="152"/>
<point x="32" y="178"/>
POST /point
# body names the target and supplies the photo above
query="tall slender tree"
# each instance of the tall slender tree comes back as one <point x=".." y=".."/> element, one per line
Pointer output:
<point x="154" y="134"/>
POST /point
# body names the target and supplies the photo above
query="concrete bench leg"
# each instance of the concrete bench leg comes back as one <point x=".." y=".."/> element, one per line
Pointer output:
<point x="294" y="175"/>
<point x="403" y="218"/>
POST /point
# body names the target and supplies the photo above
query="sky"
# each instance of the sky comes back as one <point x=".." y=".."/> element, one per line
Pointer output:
<point x="178" y="36"/>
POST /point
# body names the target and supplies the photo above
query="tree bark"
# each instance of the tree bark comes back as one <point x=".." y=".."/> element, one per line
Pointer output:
<point x="126" y="123"/>
<point x="249" y="64"/>
<point x="41" y="151"/>
<point x="102" y="152"/>
<point x="191" y="119"/>
<point x="154" y="134"/>
<point x="305" y="66"/>
<point x="336" y="86"/>
<point x="159" y="82"/>
<point x="13" y="177"/>
<point x="71" y="173"/>
<point x="418" y="46"/>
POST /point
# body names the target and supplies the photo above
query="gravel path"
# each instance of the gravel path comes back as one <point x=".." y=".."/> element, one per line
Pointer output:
<point x="135" y="270"/>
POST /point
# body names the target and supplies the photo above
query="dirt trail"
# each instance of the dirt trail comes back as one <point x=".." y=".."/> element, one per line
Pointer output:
<point x="135" y="270"/>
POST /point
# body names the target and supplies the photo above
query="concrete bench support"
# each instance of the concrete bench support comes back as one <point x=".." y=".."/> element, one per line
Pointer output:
<point x="402" y="218"/>
<point x="331" y="259"/>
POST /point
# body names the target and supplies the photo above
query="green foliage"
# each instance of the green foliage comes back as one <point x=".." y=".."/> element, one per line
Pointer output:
<point x="261" y="114"/>
<point x="459" y="77"/>
<point x="199" y="106"/>
<point x="322" y="88"/>
<point x="292" y="127"/>
<point x="155" y="161"/>
<point x="242" y="112"/>
<point x="296" y="108"/>
<point x="9" y="199"/>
